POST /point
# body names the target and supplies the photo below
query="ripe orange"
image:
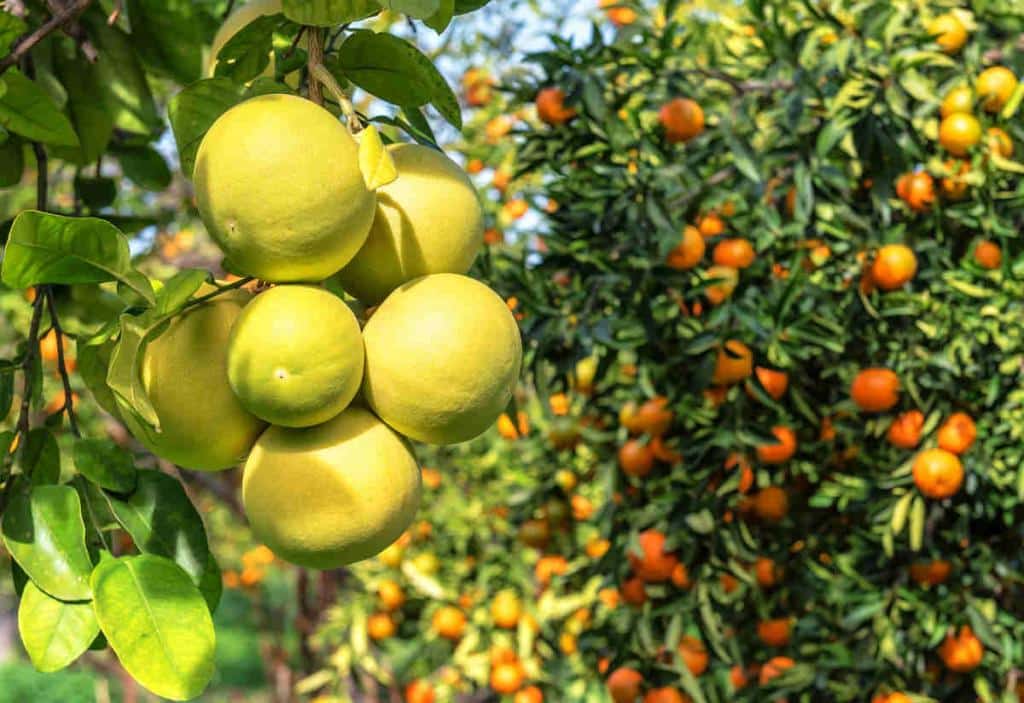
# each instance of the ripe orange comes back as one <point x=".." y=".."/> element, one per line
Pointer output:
<point x="962" y="652"/>
<point x="597" y="547"/>
<point x="548" y="567"/>
<point x="905" y="430"/>
<point x="507" y="678"/>
<point x="917" y="190"/>
<point x="894" y="266"/>
<point x="726" y="279"/>
<point x="380" y="626"/>
<point x="694" y="654"/>
<point x="501" y="180"/>
<point x="957" y="433"/>
<point x="775" y="632"/>
<point x="419" y="691"/>
<point x="771" y="504"/>
<point x="959" y="132"/>
<point x="624" y="685"/>
<point x="559" y="403"/>
<point x="655" y="564"/>
<point x="711" y="225"/>
<point x="653" y="417"/>
<point x="619" y="16"/>
<point x="959" y="99"/>
<point x="988" y="255"/>
<point x="474" y="166"/>
<point x="506" y="610"/>
<point x="783" y="450"/>
<point x="949" y="32"/>
<point x="635" y="458"/>
<point x="875" y="390"/>
<point x="551" y="107"/>
<point x="682" y="118"/>
<point x="954" y="186"/>
<point x="737" y="253"/>
<point x="729" y="582"/>
<point x="582" y="507"/>
<point x="930" y="573"/>
<point x="938" y="473"/>
<point x="681" y="577"/>
<point x="767" y="572"/>
<point x="48" y="346"/>
<point x="999" y="142"/>
<point x="689" y="252"/>
<point x="530" y="694"/>
<point x="775" y="383"/>
<point x="497" y="128"/>
<point x="634" y="591"/>
<point x="995" y="86"/>
<point x="449" y="622"/>
<point x="665" y="694"/>
<point x="738" y="677"/>
<point x="734" y="362"/>
<point x="390" y="595"/>
<point x="773" y="668"/>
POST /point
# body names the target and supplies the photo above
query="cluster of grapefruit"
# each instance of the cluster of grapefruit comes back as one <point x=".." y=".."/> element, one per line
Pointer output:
<point x="317" y="392"/>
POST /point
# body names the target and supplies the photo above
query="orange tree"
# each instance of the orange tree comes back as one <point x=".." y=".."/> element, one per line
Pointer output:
<point x="785" y="248"/>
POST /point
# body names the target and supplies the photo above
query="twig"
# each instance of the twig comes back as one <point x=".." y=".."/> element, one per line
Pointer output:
<point x="228" y="9"/>
<point x="211" y="483"/>
<point x="62" y="366"/>
<point x="741" y="86"/>
<point x="234" y="285"/>
<point x="295" y="43"/>
<point x="316" y="58"/>
<point x="51" y="25"/>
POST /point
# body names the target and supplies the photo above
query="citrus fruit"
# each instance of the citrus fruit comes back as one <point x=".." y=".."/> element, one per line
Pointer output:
<point x="995" y="86"/>
<point x="959" y="132"/>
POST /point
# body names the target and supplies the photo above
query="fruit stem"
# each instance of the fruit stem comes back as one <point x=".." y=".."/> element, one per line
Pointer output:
<point x="222" y="289"/>
<point x="316" y="58"/>
<point x="319" y="73"/>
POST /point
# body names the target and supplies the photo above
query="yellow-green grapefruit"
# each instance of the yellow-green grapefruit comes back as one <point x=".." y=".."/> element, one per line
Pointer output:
<point x="442" y="358"/>
<point x="239" y="18"/>
<point x="278" y="185"/>
<point x="184" y="372"/>
<point x="428" y="220"/>
<point x="332" y="494"/>
<point x="295" y="356"/>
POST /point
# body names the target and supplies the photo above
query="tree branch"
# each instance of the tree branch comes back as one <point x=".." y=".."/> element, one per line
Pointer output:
<point x="53" y="24"/>
<point x="69" y="405"/>
<point x="316" y="58"/>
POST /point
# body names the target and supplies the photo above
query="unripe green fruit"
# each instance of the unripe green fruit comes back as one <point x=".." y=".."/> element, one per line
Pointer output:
<point x="295" y="356"/>
<point x="184" y="372"/>
<point x="278" y="185"/>
<point x="332" y="494"/>
<point x="428" y="220"/>
<point x="442" y="358"/>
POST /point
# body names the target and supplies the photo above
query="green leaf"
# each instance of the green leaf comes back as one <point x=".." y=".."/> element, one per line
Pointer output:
<point x="194" y="110"/>
<point x="247" y="54"/>
<point x="41" y="457"/>
<point x="157" y="623"/>
<point x="464" y="6"/>
<point x="11" y="28"/>
<point x="87" y="106"/>
<point x="54" y="633"/>
<point x="96" y="193"/>
<point x="212" y="583"/>
<point x="44" y="532"/>
<point x="169" y="36"/>
<point x="145" y="167"/>
<point x="44" y="248"/>
<point x="105" y="464"/>
<point x="446" y="103"/>
<point x="440" y="20"/>
<point x="328" y="13"/>
<point x="124" y="374"/>
<point x="12" y="162"/>
<point x="6" y="397"/>
<point x="420" y="9"/>
<point x="93" y="363"/>
<point x="179" y="289"/>
<point x="162" y="520"/>
<point x="27" y="110"/>
<point x="390" y="68"/>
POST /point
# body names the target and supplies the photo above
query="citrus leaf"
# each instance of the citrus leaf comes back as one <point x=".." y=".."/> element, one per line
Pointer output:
<point x="389" y="67"/>
<point x="375" y="162"/>
<point x="54" y="633"/>
<point x="27" y="110"/>
<point x="157" y="623"/>
<point x="420" y="9"/>
<point x="41" y="457"/>
<point x="440" y="20"/>
<point x="105" y="464"/>
<point x="168" y="36"/>
<point x="194" y="110"/>
<point x="327" y="13"/>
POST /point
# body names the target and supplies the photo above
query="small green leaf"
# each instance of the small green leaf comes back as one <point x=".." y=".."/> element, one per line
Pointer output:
<point x="12" y="162"/>
<point x="375" y="162"/>
<point x="27" y="110"/>
<point x="179" y="289"/>
<point x="96" y="193"/>
<point x="11" y="28"/>
<point x="87" y="106"/>
<point x="45" y="248"/>
<point x="44" y="532"/>
<point x="145" y="167"/>
<point x="41" y="457"/>
<point x="157" y="623"/>
<point x="328" y="13"/>
<point x="168" y="36"/>
<point x="420" y="9"/>
<point x="440" y="20"/>
<point x="54" y="633"/>
<point x="247" y="54"/>
<point x="162" y="520"/>
<point x="194" y="110"/>
<point x="105" y="464"/>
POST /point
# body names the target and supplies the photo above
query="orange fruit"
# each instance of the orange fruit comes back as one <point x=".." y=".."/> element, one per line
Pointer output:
<point x="515" y="209"/>
<point x="597" y="547"/>
<point x="767" y="572"/>
<point x="665" y="694"/>
<point x="773" y="668"/>
<point x="380" y="626"/>
<point x="654" y="563"/>
<point x="474" y="166"/>
<point x="734" y="362"/>
<point x="957" y="433"/>
<point x="635" y="458"/>
<point x="506" y="610"/>
<point x="497" y="128"/>
<point x="48" y="346"/>
<point x="710" y="225"/>
<point x="530" y="694"/>
<point x="689" y="252"/>
<point x="431" y="478"/>
<point x="949" y="32"/>
<point x="549" y="566"/>
<point x="738" y="677"/>
<point x="958" y="99"/>
<point x="634" y="591"/>
<point x="737" y="253"/>
<point x="729" y="582"/>
<point x="875" y="390"/>
<point x="559" y="403"/>
<point x="419" y="691"/>
<point x="507" y="678"/>
<point x="905" y="430"/>
<point x="938" y="473"/>
<point x="551" y="107"/>
<point x="535" y="533"/>
<point x="682" y="118"/>
<point x="619" y="16"/>
<point x="999" y="142"/>
<point x="930" y="573"/>
<point x="653" y="417"/>
<point x="493" y="236"/>
<point x="390" y="595"/>
<point x="771" y="504"/>
<point x="995" y="85"/>
<point x="726" y="279"/>
<point x="694" y="654"/>
<point x="449" y="622"/>
<point x="681" y="577"/>
<point x="624" y="685"/>
<point x="917" y="190"/>
<point x="501" y="180"/>
<point x="582" y="508"/>
<point x="961" y="652"/>
<point x="954" y="186"/>
<point x="894" y="266"/>
<point x="775" y="632"/>
<point x="775" y="383"/>
<point x="988" y="255"/>
<point x="783" y="450"/>
<point x="959" y="132"/>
